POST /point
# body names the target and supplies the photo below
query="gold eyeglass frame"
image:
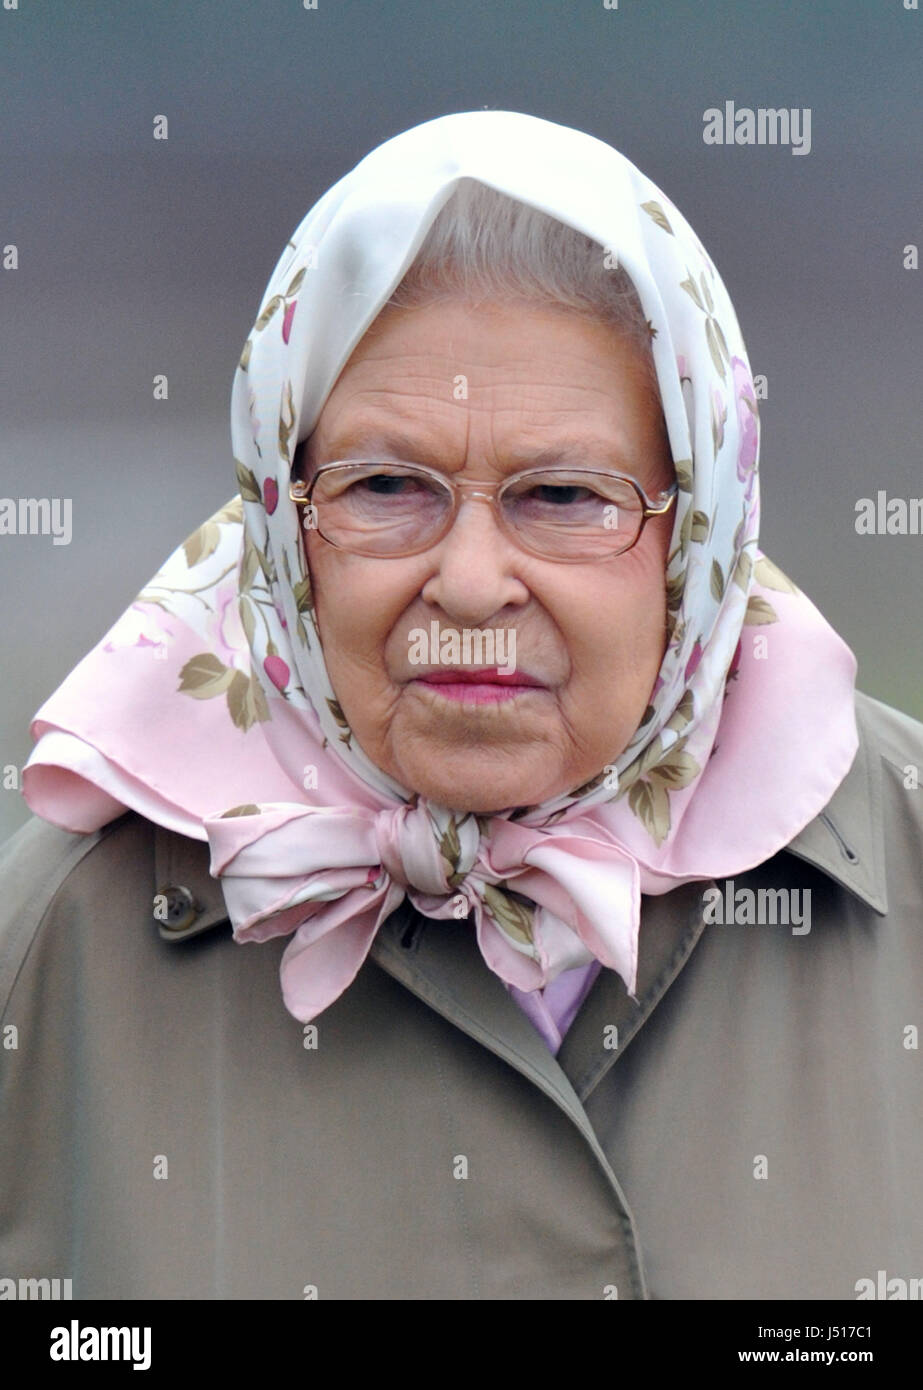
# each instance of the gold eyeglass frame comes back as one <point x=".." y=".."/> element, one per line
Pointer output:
<point x="301" y="494"/>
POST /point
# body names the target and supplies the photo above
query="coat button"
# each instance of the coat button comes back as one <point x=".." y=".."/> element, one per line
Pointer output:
<point x="175" y="908"/>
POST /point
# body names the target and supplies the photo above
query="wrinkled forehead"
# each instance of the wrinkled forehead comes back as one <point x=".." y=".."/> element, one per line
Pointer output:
<point x="452" y="383"/>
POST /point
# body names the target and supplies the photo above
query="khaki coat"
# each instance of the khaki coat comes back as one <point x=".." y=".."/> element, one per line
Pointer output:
<point x="751" y="1128"/>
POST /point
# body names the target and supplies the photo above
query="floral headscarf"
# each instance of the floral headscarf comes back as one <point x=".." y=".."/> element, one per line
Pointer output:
<point x="208" y="707"/>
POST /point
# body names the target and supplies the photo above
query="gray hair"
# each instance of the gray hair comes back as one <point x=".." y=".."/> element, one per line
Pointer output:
<point x="487" y="245"/>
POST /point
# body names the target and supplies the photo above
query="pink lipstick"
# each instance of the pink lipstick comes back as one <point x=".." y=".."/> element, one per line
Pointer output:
<point x="478" y="687"/>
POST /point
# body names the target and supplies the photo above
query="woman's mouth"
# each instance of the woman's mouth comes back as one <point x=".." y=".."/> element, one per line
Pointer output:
<point x="478" y="687"/>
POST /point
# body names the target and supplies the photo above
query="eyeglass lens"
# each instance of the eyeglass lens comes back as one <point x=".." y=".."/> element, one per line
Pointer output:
<point x="384" y="509"/>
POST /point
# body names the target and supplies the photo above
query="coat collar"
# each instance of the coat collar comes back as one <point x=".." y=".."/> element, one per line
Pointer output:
<point x="847" y="839"/>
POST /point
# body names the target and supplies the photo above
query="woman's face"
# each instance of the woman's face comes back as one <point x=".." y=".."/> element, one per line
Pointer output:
<point x="478" y="392"/>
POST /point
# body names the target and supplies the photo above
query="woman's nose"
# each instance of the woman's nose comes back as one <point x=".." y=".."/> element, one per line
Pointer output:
<point x="476" y="566"/>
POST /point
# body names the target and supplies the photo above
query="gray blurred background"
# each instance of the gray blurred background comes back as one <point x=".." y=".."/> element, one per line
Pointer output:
<point x="140" y="256"/>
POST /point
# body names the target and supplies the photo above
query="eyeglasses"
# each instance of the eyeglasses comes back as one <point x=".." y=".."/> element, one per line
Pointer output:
<point x="388" y="509"/>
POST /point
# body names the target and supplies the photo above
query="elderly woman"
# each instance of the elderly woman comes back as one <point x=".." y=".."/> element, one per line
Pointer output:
<point x="549" y="797"/>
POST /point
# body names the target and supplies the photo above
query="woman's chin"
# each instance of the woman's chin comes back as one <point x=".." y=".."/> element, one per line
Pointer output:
<point x="478" y="788"/>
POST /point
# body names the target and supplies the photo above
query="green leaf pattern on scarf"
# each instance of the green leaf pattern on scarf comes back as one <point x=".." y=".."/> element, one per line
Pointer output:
<point x="512" y="916"/>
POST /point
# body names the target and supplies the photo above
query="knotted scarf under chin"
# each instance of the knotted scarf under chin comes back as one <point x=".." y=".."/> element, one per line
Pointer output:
<point x="542" y="901"/>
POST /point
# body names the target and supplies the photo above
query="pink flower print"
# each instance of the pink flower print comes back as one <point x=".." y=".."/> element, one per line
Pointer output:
<point x="682" y="366"/>
<point x="692" y="664"/>
<point x="277" y="671"/>
<point x="225" y="631"/>
<point x="287" y="320"/>
<point x="270" y="495"/>
<point x="747" y="422"/>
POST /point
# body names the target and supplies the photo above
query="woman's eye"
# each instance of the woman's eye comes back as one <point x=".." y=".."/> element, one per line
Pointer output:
<point x="386" y="484"/>
<point x="559" y="496"/>
<point x="562" y="494"/>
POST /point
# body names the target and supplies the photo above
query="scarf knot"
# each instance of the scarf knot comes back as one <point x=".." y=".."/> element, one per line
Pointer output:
<point x="329" y="877"/>
<point x="411" y="855"/>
